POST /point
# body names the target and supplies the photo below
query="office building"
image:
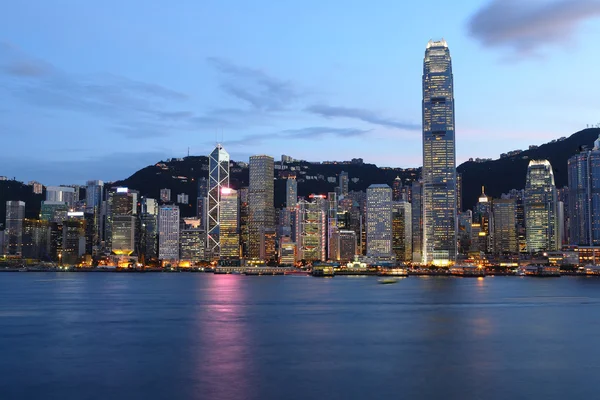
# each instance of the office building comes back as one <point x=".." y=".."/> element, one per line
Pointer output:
<point x="192" y="245"/>
<point x="168" y="233"/>
<point x="402" y="230"/>
<point x="417" y="221"/>
<point x="379" y="221"/>
<point x="287" y="251"/>
<point x="148" y="247"/>
<point x="36" y="239"/>
<point x="346" y="246"/>
<point x="218" y="178"/>
<point x="73" y="241"/>
<point x="13" y="227"/>
<point x="121" y="220"/>
<point x="183" y="198"/>
<point x="311" y="228"/>
<point x="343" y="183"/>
<point x="261" y="212"/>
<point x="291" y="192"/>
<point x="439" y="157"/>
<point x="229" y="224"/>
<point x="54" y="211"/>
<point x="202" y="201"/>
<point x="244" y="211"/>
<point x="64" y="194"/>
<point x="540" y="207"/>
<point x="505" y="226"/>
<point x="397" y="189"/>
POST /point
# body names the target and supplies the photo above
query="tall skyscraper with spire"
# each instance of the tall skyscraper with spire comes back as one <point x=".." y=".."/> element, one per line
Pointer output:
<point x="439" y="156"/>
<point x="218" y="178"/>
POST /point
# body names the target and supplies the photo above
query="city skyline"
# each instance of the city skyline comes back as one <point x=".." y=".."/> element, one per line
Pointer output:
<point x="259" y="89"/>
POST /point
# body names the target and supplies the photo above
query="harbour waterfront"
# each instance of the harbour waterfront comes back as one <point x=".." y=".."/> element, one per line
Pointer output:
<point x="205" y="336"/>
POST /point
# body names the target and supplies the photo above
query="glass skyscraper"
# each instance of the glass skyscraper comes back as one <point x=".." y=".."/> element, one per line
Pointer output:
<point x="379" y="220"/>
<point x="218" y="178"/>
<point x="439" y="157"/>
<point x="541" y="224"/>
<point x="261" y="216"/>
<point x="229" y="222"/>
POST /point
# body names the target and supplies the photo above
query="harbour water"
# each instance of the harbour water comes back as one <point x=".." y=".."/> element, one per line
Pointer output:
<point x="204" y="336"/>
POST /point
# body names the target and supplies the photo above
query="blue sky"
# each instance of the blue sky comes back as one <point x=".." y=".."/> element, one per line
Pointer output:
<point x="97" y="90"/>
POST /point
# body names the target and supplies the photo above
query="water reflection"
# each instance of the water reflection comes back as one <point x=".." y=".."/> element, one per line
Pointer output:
<point x="224" y="353"/>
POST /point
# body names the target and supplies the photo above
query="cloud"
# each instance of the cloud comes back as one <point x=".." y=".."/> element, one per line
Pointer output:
<point x="525" y="27"/>
<point x="15" y="63"/>
<point x="362" y="115"/>
<point x="254" y="87"/>
<point x="313" y="132"/>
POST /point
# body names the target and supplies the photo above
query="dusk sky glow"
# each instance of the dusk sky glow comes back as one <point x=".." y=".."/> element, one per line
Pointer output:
<point x="100" y="90"/>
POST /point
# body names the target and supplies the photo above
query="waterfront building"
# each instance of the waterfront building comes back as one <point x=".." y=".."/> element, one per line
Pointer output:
<point x="261" y="212"/>
<point x="505" y="226"/>
<point x="121" y="220"/>
<point x="311" y="228"/>
<point x="13" y="227"/>
<point x="584" y="197"/>
<point x="168" y="233"/>
<point x="229" y="224"/>
<point x="439" y="157"/>
<point x="64" y="194"/>
<point x="540" y="207"/>
<point x="165" y="195"/>
<point x="73" y="241"/>
<point x="402" y="230"/>
<point x="192" y="245"/>
<point x="417" y="221"/>
<point x="346" y="245"/>
<point x="379" y="220"/>
<point x="149" y="229"/>
<point x="287" y="251"/>
<point x="218" y="178"/>
<point x="343" y="183"/>
<point x="36" y="239"/>
<point x="268" y="244"/>
<point x="291" y="192"/>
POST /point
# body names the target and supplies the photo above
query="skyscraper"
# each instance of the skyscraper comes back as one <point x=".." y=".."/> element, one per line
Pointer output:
<point x="379" y="221"/>
<point x="311" y="229"/>
<point x="344" y="183"/>
<point x="122" y="211"/>
<point x="65" y="194"/>
<point x="439" y="156"/>
<point x="229" y="222"/>
<point x="218" y="178"/>
<point x="15" y="214"/>
<point x="93" y="201"/>
<point x="149" y="229"/>
<point x="540" y="207"/>
<point x="202" y="201"/>
<point x="261" y="212"/>
<point x="291" y="192"/>
<point x="505" y="226"/>
<point x="168" y="233"/>
<point x="401" y="230"/>
<point x="397" y="189"/>
<point x="417" y="221"/>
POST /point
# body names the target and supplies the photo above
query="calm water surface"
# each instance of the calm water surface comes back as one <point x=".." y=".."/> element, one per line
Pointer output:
<point x="204" y="336"/>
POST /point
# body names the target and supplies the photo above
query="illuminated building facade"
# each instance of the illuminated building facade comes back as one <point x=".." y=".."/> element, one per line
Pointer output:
<point x="121" y="220"/>
<point x="311" y="229"/>
<point x="584" y="197"/>
<point x="379" y="221"/>
<point x="261" y="212"/>
<point x="343" y="183"/>
<point x="291" y="192"/>
<point x="202" y="201"/>
<point x="149" y="229"/>
<point x="540" y="207"/>
<point x="13" y="228"/>
<point x="36" y="239"/>
<point x="229" y="223"/>
<point x="346" y="245"/>
<point x="168" y="233"/>
<point x="268" y="244"/>
<point x="218" y="178"/>
<point x="54" y="211"/>
<point x="93" y="202"/>
<point x="417" y="221"/>
<point x="73" y="241"/>
<point x="192" y="245"/>
<point x="244" y="236"/>
<point x="505" y="226"/>
<point x="287" y="251"/>
<point x="401" y="230"/>
<point x="439" y="157"/>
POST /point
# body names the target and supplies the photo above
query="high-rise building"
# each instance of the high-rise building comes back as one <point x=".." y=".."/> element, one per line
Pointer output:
<point x="584" y="197"/>
<point x="244" y="236"/>
<point x="401" y="230"/>
<point x="540" y="207"/>
<point x="505" y="226"/>
<point x="287" y="251"/>
<point x="417" y="221"/>
<point x="379" y="221"/>
<point x="36" y="239"/>
<point x="93" y="201"/>
<point x="229" y="222"/>
<point x="439" y="157"/>
<point x="465" y="223"/>
<point x="291" y="192"/>
<point x="218" y="178"/>
<point x="261" y="215"/>
<point x="459" y="192"/>
<point x="54" y="211"/>
<point x="13" y="228"/>
<point x="332" y="210"/>
<point x="202" y="202"/>
<point x="192" y="245"/>
<point x="483" y="218"/>
<point x="346" y="246"/>
<point x="397" y="189"/>
<point x="165" y="195"/>
<point x="65" y="194"/>
<point x="344" y="180"/>
<point x="73" y="241"/>
<point x="149" y="229"/>
<point x="311" y="229"/>
<point x="168" y="233"/>
<point x="268" y="244"/>
<point x="121" y="220"/>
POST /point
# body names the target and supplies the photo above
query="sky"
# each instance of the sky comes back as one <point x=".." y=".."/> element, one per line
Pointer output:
<point x="98" y="90"/>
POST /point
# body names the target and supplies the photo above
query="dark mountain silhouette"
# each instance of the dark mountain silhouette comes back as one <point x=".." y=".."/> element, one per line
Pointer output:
<point x="181" y="175"/>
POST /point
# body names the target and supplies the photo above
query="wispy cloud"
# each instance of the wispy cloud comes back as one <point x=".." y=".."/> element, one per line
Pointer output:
<point x="362" y="115"/>
<point x="313" y="132"/>
<point x="254" y="87"/>
<point x="526" y="27"/>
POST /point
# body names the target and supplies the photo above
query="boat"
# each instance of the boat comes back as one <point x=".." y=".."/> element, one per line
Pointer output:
<point x="467" y="271"/>
<point x="387" y="281"/>
<point x="393" y="272"/>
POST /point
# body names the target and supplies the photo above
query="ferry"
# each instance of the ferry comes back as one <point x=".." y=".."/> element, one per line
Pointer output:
<point x="387" y="281"/>
<point x="467" y="271"/>
<point x="323" y="271"/>
<point x="399" y="272"/>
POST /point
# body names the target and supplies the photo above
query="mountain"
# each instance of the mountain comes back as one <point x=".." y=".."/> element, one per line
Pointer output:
<point x="499" y="176"/>
<point x="181" y="175"/>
